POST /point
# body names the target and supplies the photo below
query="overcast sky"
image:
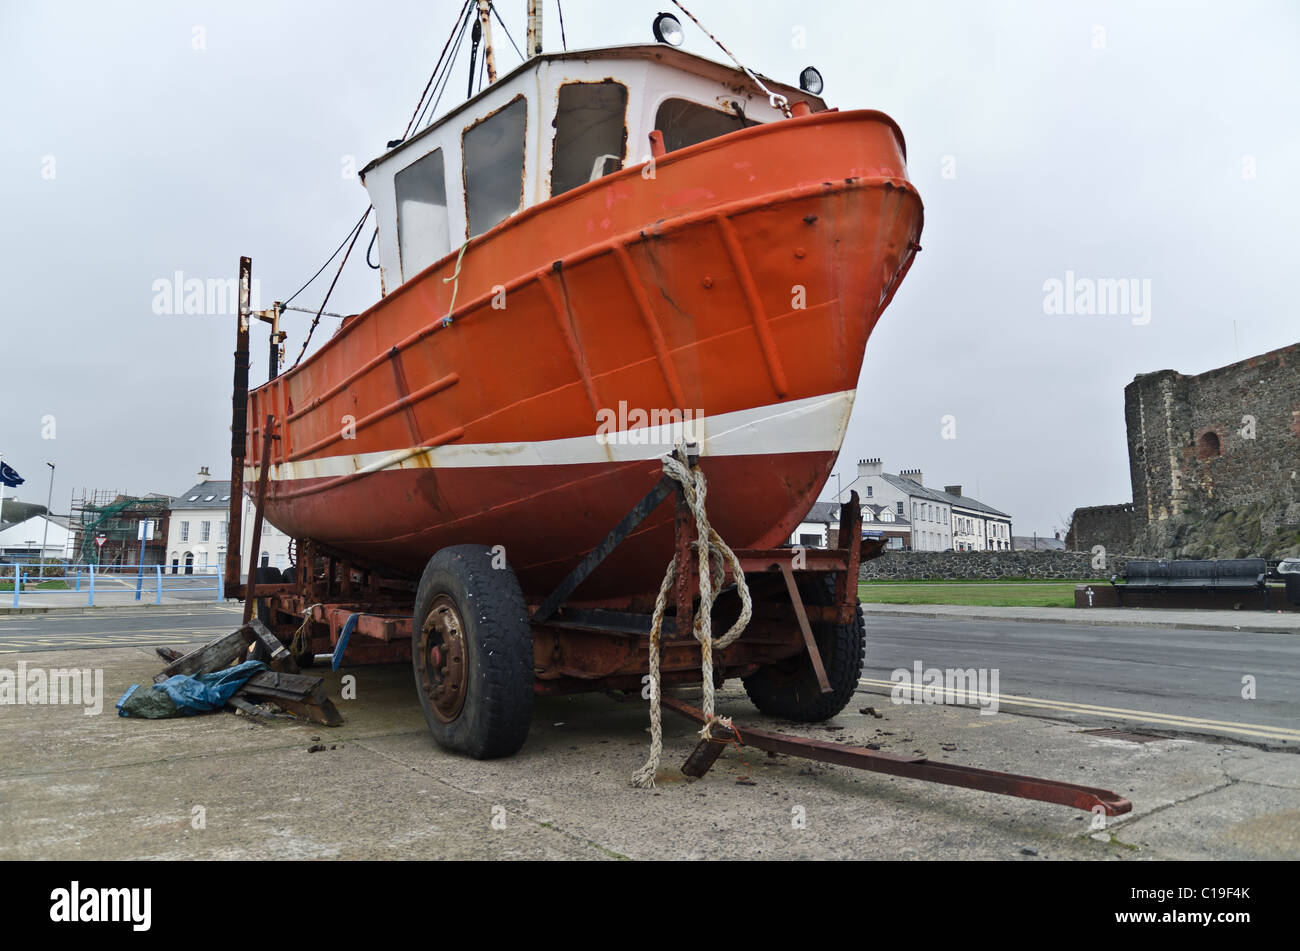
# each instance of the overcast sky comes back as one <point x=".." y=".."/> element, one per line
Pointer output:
<point x="1157" y="142"/>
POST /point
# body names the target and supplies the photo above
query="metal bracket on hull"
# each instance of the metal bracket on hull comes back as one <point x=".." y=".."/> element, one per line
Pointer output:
<point x="651" y="501"/>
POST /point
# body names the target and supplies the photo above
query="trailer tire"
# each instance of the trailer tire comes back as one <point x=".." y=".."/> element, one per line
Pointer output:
<point x="472" y="653"/>
<point x="789" y="689"/>
<point x="267" y="575"/>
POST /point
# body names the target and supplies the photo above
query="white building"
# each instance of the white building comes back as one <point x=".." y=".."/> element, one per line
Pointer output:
<point x="199" y="525"/>
<point x="976" y="526"/>
<point x="939" y="521"/>
<point x="21" y="541"/>
<point x="821" y="526"/>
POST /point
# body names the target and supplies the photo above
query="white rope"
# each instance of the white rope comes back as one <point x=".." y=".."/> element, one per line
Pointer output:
<point x="300" y="643"/>
<point x="776" y="100"/>
<point x="714" y="556"/>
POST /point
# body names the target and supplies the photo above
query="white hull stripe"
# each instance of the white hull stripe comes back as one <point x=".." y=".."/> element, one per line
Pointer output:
<point x="815" y="424"/>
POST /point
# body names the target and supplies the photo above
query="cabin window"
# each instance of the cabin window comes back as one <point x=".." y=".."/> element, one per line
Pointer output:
<point x="686" y="123"/>
<point x="494" y="167"/>
<point x="422" y="231"/>
<point x="590" y="133"/>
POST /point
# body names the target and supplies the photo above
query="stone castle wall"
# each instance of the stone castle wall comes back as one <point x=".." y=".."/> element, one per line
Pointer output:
<point x="1213" y="463"/>
<point x="981" y="565"/>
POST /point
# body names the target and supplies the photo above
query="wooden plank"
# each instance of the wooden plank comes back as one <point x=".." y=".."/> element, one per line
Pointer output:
<point x="277" y="656"/>
<point x="296" y="693"/>
<point x="292" y="685"/>
<point x="169" y="654"/>
<point x="215" y="655"/>
<point x="249" y="709"/>
<point x="321" y="710"/>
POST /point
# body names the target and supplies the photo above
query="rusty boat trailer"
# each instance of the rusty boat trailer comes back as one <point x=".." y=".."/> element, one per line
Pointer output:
<point x="347" y="605"/>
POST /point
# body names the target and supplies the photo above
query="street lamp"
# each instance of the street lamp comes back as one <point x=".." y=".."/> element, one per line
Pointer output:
<point x="46" y="534"/>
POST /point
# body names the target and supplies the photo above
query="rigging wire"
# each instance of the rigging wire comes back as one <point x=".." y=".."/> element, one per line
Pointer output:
<point x="777" y="100"/>
<point x="441" y="87"/>
<point x="337" y="274"/>
<point x="482" y="71"/>
<point x="493" y="8"/>
<point x="355" y="227"/>
<point x="564" y="42"/>
<point x="434" y="74"/>
<point x="414" y="115"/>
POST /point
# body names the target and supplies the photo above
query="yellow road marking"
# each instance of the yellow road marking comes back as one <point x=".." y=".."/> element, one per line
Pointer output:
<point x="1122" y="713"/>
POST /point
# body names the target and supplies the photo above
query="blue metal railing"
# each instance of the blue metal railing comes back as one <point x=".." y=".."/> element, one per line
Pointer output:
<point x="146" y="583"/>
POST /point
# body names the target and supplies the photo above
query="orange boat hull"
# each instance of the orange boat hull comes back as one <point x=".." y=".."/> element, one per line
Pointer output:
<point x="734" y="283"/>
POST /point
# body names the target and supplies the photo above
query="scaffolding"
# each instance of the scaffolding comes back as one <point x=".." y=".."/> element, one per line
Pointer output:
<point x="116" y="516"/>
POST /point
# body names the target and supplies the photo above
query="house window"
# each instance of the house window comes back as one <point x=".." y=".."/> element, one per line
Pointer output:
<point x="224" y="528"/>
<point x="590" y="133"/>
<point x="869" y="491"/>
<point x="687" y="123"/>
<point x="810" y="541"/>
<point x="900" y="507"/>
<point x="185" y="531"/>
<point x="494" y="167"/>
<point x="423" y="235"/>
<point x="205" y="531"/>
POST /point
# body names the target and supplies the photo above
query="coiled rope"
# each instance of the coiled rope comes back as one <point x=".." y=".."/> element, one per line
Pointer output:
<point x="714" y="556"/>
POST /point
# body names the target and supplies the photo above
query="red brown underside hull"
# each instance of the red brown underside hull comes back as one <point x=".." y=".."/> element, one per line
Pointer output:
<point x="678" y="292"/>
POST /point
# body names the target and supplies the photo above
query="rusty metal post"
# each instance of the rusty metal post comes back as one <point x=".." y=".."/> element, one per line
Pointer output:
<point x="250" y="590"/>
<point x="238" y="424"/>
<point x="534" y="29"/>
<point x="489" y="54"/>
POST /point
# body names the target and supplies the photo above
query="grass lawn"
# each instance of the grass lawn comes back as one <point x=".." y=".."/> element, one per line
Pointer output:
<point x="49" y="584"/>
<point x="1033" y="594"/>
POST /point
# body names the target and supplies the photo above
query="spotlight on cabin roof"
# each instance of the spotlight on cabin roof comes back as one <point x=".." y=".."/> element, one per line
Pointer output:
<point x="668" y="29"/>
<point x="810" y="81"/>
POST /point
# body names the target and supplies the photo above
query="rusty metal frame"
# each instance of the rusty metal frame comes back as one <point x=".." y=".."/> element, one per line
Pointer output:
<point x="702" y="758"/>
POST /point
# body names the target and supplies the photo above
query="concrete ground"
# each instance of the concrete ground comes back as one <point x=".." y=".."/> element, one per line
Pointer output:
<point x="101" y="787"/>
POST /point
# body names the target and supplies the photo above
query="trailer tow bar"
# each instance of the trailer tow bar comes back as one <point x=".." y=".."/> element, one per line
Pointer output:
<point x="1087" y="798"/>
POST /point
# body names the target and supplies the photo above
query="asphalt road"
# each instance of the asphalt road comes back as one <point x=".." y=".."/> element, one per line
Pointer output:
<point x="118" y="627"/>
<point x="1170" y="682"/>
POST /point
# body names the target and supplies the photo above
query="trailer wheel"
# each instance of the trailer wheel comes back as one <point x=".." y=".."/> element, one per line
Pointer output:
<point x="789" y="689"/>
<point x="267" y="575"/>
<point x="473" y="653"/>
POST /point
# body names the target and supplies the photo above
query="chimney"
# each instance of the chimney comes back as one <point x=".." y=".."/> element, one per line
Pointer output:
<point x="204" y="474"/>
<point x="913" y="474"/>
<point x="868" y="467"/>
<point x="952" y="489"/>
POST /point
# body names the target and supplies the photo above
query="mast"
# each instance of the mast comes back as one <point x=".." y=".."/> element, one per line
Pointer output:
<point x="485" y="21"/>
<point x="534" y="28"/>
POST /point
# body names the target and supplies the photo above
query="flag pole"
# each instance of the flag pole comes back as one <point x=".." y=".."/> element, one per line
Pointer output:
<point x="46" y="534"/>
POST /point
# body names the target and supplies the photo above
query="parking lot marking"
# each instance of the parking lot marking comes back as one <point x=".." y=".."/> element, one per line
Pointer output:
<point x="1258" y="730"/>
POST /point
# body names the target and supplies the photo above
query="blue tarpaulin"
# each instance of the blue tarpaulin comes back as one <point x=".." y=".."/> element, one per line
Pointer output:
<point x="186" y="695"/>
